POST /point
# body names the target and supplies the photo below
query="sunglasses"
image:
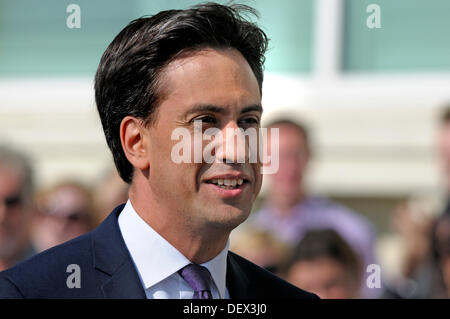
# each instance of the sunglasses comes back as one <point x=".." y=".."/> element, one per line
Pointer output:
<point x="13" y="200"/>
<point x="72" y="216"/>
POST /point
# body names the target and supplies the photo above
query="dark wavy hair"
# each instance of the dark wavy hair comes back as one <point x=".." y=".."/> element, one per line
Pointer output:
<point x="126" y="82"/>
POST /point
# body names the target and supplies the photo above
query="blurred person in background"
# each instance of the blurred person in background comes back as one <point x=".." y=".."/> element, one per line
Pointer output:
<point x="412" y="223"/>
<point x="326" y="265"/>
<point x="441" y="254"/>
<point x="110" y="192"/>
<point x="421" y="271"/>
<point x="260" y="247"/>
<point x="64" y="211"/>
<point x="16" y="189"/>
<point x="443" y="148"/>
<point x="289" y="211"/>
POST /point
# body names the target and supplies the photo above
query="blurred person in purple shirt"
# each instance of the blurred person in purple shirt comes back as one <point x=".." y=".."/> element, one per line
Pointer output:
<point x="289" y="211"/>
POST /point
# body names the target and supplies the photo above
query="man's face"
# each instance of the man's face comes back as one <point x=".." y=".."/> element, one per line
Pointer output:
<point x="218" y="88"/>
<point x="14" y="214"/>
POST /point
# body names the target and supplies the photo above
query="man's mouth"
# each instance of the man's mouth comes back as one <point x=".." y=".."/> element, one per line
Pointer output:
<point x="232" y="183"/>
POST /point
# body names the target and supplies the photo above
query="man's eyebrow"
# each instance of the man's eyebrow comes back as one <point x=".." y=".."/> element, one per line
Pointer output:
<point x="217" y="109"/>
<point x="251" y="108"/>
<point x="204" y="108"/>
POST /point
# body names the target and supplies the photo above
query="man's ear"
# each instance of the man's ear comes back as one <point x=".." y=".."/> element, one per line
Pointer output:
<point x="134" y="142"/>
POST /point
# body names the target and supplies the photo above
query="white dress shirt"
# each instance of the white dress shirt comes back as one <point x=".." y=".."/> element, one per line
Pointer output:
<point x="157" y="262"/>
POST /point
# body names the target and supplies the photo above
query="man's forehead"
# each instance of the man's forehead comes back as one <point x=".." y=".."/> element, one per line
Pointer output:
<point x="209" y="80"/>
<point x="204" y="57"/>
<point x="207" y="67"/>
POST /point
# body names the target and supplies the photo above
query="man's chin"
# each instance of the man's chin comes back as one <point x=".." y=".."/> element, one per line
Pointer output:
<point x="227" y="217"/>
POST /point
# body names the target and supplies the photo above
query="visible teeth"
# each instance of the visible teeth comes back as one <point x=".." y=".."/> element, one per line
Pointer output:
<point x="230" y="182"/>
<point x="233" y="183"/>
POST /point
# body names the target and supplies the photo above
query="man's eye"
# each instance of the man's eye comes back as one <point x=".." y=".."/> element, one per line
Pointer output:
<point x="250" y="120"/>
<point x="206" y="119"/>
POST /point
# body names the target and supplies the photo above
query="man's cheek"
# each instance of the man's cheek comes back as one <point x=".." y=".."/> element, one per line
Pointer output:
<point x="184" y="178"/>
<point x="258" y="172"/>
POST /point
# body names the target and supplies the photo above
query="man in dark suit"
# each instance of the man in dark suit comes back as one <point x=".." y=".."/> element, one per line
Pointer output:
<point x="161" y="76"/>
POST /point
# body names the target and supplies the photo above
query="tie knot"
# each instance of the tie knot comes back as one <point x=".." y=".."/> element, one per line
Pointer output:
<point x="198" y="277"/>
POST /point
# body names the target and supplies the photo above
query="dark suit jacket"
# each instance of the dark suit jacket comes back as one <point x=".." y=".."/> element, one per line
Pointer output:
<point x="107" y="271"/>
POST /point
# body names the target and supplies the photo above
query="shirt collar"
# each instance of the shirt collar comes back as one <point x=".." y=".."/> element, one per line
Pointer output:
<point x="149" y="250"/>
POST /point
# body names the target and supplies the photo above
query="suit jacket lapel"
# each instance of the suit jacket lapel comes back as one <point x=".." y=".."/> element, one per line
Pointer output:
<point x="118" y="276"/>
<point x="124" y="284"/>
<point x="238" y="284"/>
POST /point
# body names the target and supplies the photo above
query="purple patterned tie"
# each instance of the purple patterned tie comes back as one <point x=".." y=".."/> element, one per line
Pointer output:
<point x="197" y="277"/>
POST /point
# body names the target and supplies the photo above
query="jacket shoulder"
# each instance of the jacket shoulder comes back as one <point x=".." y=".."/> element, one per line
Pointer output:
<point x="45" y="275"/>
<point x="266" y="284"/>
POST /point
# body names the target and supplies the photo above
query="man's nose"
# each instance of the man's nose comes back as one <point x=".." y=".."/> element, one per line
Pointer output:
<point x="234" y="145"/>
